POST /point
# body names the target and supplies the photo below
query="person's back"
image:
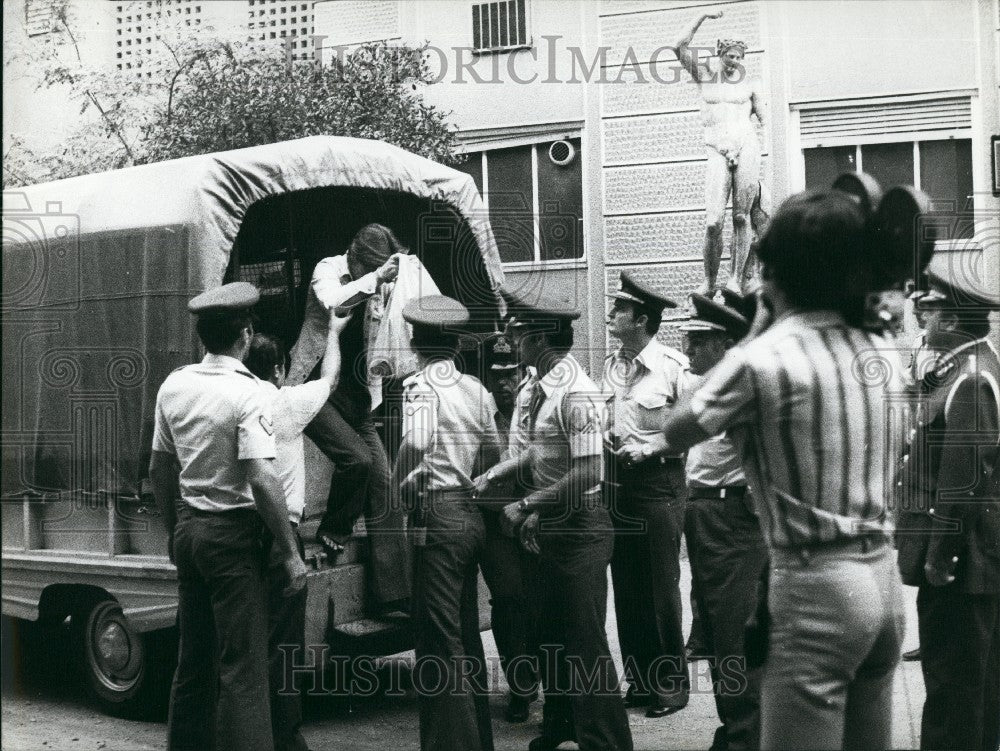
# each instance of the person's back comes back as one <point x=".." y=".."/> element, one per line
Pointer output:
<point x="818" y="429"/>
<point x="462" y="412"/>
<point x="211" y="398"/>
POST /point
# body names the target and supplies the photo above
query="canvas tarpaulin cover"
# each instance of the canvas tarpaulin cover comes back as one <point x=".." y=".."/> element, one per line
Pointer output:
<point x="97" y="273"/>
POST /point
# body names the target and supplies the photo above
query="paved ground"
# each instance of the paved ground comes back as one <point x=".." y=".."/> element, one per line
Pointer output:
<point x="54" y="715"/>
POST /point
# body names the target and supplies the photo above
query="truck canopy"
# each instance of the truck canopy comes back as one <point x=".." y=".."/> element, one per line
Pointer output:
<point x="98" y="270"/>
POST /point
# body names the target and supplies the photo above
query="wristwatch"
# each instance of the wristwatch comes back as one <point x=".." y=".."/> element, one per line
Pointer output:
<point x="491" y="475"/>
<point x="523" y="506"/>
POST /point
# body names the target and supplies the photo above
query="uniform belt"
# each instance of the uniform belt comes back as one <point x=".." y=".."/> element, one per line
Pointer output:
<point x="230" y="512"/>
<point x="726" y="491"/>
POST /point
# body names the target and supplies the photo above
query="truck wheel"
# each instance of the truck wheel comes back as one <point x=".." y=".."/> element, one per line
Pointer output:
<point x="123" y="670"/>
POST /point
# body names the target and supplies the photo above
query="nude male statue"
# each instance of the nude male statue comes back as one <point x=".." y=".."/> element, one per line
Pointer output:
<point x="728" y="100"/>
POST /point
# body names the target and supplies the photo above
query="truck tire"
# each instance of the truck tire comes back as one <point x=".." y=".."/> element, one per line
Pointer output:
<point x="125" y="672"/>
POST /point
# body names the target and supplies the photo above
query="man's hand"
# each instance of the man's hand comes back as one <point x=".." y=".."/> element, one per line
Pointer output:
<point x="295" y="570"/>
<point x="939" y="577"/>
<point x="480" y="484"/>
<point x="389" y="270"/>
<point x="511" y="518"/>
<point x="633" y="453"/>
<point x="529" y="533"/>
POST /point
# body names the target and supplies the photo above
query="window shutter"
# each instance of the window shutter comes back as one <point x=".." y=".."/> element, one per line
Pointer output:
<point x="498" y="26"/>
<point x="857" y="121"/>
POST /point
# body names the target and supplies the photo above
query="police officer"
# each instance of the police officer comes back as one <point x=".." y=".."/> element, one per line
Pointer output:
<point x="565" y="521"/>
<point x="448" y="427"/>
<point x="213" y="443"/>
<point x="643" y="380"/>
<point x="725" y="545"/>
<point x="509" y="570"/>
<point x="948" y="532"/>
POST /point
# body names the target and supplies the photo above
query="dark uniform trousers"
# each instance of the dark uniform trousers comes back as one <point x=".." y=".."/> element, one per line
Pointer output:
<point x="286" y="625"/>
<point x="450" y="674"/>
<point x="222" y="616"/>
<point x="343" y="430"/>
<point x="582" y="695"/>
<point x="962" y="710"/>
<point x="511" y="574"/>
<point x="728" y="555"/>
<point x="649" y="519"/>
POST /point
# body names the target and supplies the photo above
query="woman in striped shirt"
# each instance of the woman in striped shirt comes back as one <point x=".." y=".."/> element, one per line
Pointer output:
<point x="809" y="398"/>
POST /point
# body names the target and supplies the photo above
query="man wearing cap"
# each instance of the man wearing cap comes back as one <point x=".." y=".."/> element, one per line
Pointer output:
<point x="448" y="429"/>
<point x="508" y="569"/>
<point x="948" y="532"/>
<point x="643" y="381"/>
<point x="565" y="521"/>
<point x="213" y="444"/>
<point x="725" y="545"/>
<point x="343" y="429"/>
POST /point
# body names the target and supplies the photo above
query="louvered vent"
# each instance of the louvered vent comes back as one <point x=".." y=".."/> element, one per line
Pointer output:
<point x="856" y="121"/>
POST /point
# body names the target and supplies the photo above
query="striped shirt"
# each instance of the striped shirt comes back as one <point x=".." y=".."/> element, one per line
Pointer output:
<point x="810" y="400"/>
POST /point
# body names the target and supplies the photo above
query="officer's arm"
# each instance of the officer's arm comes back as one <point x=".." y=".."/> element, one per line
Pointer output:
<point x="269" y="497"/>
<point x="408" y="460"/>
<point x="330" y="369"/>
<point x="681" y="429"/>
<point x="164" y="474"/>
<point x="584" y="473"/>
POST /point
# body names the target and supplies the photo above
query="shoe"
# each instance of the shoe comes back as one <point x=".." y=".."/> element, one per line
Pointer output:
<point x="635" y="698"/>
<point x="658" y="710"/>
<point x="549" y="742"/>
<point x="912" y="656"/>
<point x="518" y="709"/>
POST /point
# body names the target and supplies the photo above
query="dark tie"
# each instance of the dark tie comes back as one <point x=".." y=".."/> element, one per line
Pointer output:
<point x="537" y="398"/>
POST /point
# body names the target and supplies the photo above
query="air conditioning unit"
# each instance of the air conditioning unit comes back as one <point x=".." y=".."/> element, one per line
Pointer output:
<point x="562" y="153"/>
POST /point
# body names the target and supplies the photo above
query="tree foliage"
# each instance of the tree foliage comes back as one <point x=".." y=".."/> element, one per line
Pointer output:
<point x="214" y="93"/>
<point x="236" y="96"/>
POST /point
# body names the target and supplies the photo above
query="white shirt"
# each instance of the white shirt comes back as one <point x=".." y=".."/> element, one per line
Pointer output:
<point x="331" y="286"/>
<point x="450" y="416"/>
<point x="294" y="407"/>
<point x="642" y="390"/>
<point x="716" y="462"/>
<point x="210" y="415"/>
<point x="569" y="424"/>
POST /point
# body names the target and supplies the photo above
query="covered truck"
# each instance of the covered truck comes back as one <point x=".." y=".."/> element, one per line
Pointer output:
<point x="97" y="272"/>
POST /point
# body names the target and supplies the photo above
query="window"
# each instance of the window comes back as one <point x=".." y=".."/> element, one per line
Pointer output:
<point x="940" y="168"/>
<point x="534" y="195"/>
<point x="499" y="26"/>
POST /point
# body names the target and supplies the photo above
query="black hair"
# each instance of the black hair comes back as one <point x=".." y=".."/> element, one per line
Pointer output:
<point x="372" y="246"/>
<point x="653" y="315"/>
<point x="219" y="331"/>
<point x="561" y="337"/>
<point x="434" y="345"/>
<point x="265" y="353"/>
<point x="817" y="252"/>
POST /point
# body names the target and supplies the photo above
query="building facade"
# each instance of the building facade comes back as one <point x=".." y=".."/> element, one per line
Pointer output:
<point x="584" y="134"/>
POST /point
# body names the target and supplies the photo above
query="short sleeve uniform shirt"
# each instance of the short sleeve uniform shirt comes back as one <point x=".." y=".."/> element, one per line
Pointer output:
<point x="450" y="416"/>
<point x="569" y="423"/>
<point x="210" y="415"/>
